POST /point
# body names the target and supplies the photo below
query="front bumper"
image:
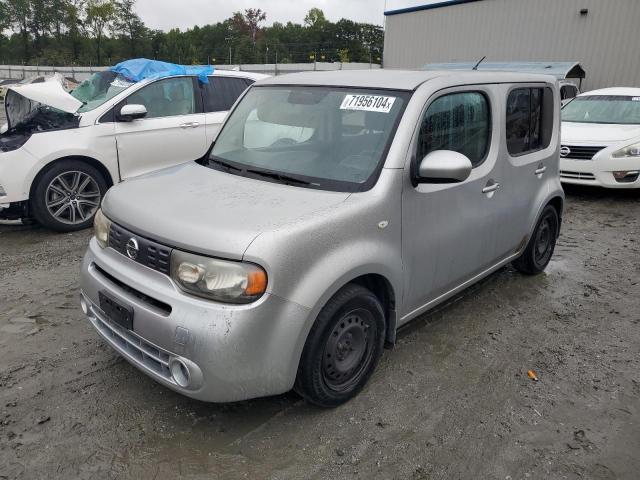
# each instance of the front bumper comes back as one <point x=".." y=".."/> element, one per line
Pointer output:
<point x="14" y="211"/>
<point x="16" y="172"/>
<point x="598" y="171"/>
<point x="229" y="352"/>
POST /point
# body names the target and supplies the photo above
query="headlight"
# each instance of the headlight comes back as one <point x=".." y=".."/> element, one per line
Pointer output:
<point x="221" y="280"/>
<point x="630" y="151"/>
<point x="101" y="226"/>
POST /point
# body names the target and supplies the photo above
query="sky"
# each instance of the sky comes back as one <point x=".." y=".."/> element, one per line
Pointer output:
<point x="167" y="14"/>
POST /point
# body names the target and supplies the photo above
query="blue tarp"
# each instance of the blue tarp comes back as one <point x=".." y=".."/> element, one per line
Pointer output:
<point x="140" y="69"/>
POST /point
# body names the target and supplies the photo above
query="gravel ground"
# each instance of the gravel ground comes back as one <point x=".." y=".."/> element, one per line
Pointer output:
<point x="452" y="400"/>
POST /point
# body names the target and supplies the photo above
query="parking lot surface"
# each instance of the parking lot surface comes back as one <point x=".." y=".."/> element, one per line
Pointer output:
<point x="452" y="400"/>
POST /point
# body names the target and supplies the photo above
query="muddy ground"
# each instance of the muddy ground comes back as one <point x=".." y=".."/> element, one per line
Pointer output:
<point x="453" y="399"/>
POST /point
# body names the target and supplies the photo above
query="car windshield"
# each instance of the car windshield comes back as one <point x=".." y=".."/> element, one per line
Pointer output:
<point x="617" y="109"/>
<point x="317" y="137"/>
<point x="99" y="88"/>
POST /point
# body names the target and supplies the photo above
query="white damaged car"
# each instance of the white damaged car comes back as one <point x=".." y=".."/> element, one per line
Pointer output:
<point x="601" y="139"/>
<point x="60" y="151"/>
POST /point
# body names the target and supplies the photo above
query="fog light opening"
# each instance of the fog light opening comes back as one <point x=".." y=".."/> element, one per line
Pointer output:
<point x="626" y="176"/>
<point x="179" y="373"/>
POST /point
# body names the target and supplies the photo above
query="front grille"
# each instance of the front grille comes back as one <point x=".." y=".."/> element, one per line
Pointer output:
<point x="150" y="254"/>
<point x="144" y="353"/>
<point x="581" y="152"/>
<point x="163" y="308"/>
<point x="577" y="175"/>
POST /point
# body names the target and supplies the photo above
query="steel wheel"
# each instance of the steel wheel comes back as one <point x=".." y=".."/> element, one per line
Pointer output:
<point x="349" y="350"/>
<point x="539" y="250"/>
<point x="72" y="197"/>
<point x="543" y="241"/>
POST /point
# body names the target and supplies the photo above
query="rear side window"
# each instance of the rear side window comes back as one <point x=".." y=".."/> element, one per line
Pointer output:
<point x="222" y="92"/>
<point x="567" y="92"/>
<point x="460" y="122"/>
<point x="529" y="119"/>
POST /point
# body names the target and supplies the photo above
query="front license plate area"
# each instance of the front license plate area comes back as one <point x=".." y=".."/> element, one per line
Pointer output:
<point x="116" y="311"/>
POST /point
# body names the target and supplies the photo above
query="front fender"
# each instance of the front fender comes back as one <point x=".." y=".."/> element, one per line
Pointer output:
<point x="96" y="142"/>
<point x="309" y="261"/>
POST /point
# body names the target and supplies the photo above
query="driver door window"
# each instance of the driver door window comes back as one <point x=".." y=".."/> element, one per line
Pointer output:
<point x="166" y="98"/>
<point x="460" y="122"/>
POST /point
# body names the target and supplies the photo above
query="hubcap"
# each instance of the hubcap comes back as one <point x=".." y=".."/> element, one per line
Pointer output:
<point x="349" y="350"/>
<point x="72" y="197"/>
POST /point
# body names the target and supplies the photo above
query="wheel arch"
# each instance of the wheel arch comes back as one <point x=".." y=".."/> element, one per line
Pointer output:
<point x="89" y="160"/>
<point x="557" y="202"/>
<point x="381" y="287"/>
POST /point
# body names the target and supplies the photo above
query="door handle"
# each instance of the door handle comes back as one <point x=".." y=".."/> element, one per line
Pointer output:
<point x="540" y="170"/>
<point x="491" y="187"/>
<point x="190" y="125"/>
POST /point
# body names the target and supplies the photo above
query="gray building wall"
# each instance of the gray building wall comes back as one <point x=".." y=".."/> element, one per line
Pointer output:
<point x="606" y="41"/>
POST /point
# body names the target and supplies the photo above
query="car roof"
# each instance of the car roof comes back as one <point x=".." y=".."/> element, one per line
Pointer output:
<point x="399" y="79"/>
<point x="218" y="72"/>
<point x="617" y="91"/>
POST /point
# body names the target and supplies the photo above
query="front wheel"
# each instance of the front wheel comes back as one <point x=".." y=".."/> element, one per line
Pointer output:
<point x="542" y="243"/>
<point x="67" y="196"/>
<point x="343" y="347"/>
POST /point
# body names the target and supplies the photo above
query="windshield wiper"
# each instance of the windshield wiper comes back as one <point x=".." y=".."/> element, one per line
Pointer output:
<point x="224" y="164"/>
<point x="279" y="176"/>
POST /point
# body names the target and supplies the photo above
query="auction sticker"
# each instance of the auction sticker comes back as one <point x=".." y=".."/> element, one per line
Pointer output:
<point x="368" y="103"/>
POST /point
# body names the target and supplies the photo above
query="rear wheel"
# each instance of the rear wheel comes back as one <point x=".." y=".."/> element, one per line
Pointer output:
<point x="542" y="243"/>
<point x="343" y="348"/>
<point x="68" y="195"/>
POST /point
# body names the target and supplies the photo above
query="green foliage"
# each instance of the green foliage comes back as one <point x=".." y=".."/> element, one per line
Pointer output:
<point x="67" y="32"/>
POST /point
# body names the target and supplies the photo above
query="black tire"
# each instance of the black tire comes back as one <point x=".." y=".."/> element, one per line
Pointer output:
<point x="542" y="244"/>
<point x="50" y="194"/>
<point x="343" y="348"/>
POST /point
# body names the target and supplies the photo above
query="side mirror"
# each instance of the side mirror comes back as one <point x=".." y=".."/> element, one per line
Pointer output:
<point x="444" y="166"/>
<point x="129" y="113"/>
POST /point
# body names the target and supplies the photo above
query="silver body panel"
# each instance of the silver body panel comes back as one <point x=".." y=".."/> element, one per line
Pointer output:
<point x="428" y="242"/>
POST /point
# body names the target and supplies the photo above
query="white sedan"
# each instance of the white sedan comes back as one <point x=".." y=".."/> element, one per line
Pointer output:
<point x="601" y="139"/>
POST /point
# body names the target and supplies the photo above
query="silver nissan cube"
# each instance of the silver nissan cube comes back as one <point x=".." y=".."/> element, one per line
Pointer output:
<point x="332" y="209"/>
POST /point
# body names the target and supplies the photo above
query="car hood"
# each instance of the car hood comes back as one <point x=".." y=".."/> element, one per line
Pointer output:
<point x="199" y="209"/>
<point x="22" y="100"/>
<point x="597" y="133"/>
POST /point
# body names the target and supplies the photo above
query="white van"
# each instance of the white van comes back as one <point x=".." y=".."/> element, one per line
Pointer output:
<point x="61" y="152"/>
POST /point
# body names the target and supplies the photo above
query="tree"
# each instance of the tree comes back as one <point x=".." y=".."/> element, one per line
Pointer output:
<point x="128" y="24"/>
<point x="4" y="16"/>
<point x="71" y="19"/>
<point x="100" y="15"/>
<point x="253" y="17"/>
<point x="18" y="15"/>
<point x="78" y="31"/>
<point x="315" y="19"/>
